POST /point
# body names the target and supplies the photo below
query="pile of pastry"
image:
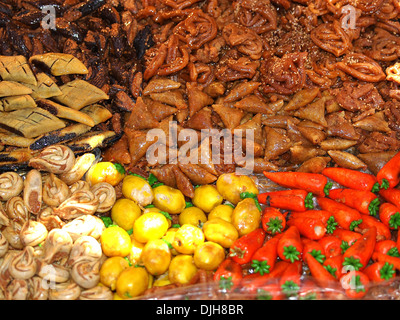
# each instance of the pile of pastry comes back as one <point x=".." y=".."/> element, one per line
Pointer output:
<point x="36" y="112"/>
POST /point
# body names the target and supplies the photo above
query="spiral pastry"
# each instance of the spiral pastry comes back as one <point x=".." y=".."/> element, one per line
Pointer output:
<point x="85" y="225"/>
<point x="17" y="210"/>
<point x="97" y="293"/>
<point x="82" y="202"/>
<point x="105" y="192"/>
<point x="12" y="234"/>
<point x="23" y="265"/>
<point x="85" y="248"/>
<point x="81" y="165"/>
<point x="33" y="233"/>
<point x="49" y="219"/>
<point x="86" y="273"/>
<point x="79" y="185"/>
<point x="57" y="247"/>
<point x="11" y="185"/>
<point x="55" y="191"/>
<point x="65" y="291"/>
<point x="56" y="159"/>
<point x="52" y="274"/>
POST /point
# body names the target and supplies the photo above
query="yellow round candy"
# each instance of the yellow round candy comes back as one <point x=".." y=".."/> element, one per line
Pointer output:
<point x="209" y="255"/>
<point x="156" y="257"/>
<point x="115" y="241"/>
<point x="231" y="185"/>
<point x="192" y="215"/>
<point x="137" y="189"/>
<point x="150" y="226"/>
<point x="246" y="217"/>
<point x="206" y="197"/>
<point x="132" y="282"/>
<point x="110" y="270"/>
<point x="187" y="238"/>
<point x="221" y="232"/>
<point x="182" y="269"/>
<point x="223" y="211"/>
<point x="169" y="199"/>
<point x="105" y="171"/>
<point x="124" y="213"/>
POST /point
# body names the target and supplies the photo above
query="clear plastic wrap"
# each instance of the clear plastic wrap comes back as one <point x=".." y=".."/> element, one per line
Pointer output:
<point x="248" y="290"/>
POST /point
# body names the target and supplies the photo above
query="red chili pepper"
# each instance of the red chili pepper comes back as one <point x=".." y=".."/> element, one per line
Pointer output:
<point x="290" y="246"/>
<point x="355" y="283"/>
<point x="389" y="175"/>
<point x="395" y="261"/>
<point x="320" y="274"/>
<point x="347" y="236"/>
<point x="229" y="274"/>
<point x="380" y="271"/>
<point x="359" y="253"/>
<point x="244" y="247"/>
<point x="298" y="200"/>
<point x="325" y="216"/>
<point x="334" y="265"/>
<point x="331" y="246"/>
<point x="279" y="268"/>
<point x="347" y="218"/>
<point x="313" y="229"/>
<point x="291" y="279"/>
<point x="349" y="178"/>
<point x="273" y="221"/>
<point x="315" y="183"/>
<point x="387" y="246"/>
<point x="389" y="214"/>
<point x="314" y="248"/>
<point x="383" y="232"/>
<point x="362" y="200"/>
<point x="263" y="260"/>
<point x="312" y="213"/>
<point x="391" y="195"/>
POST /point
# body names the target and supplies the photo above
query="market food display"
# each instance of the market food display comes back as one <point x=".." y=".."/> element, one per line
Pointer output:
<point x="123" y="124"/>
